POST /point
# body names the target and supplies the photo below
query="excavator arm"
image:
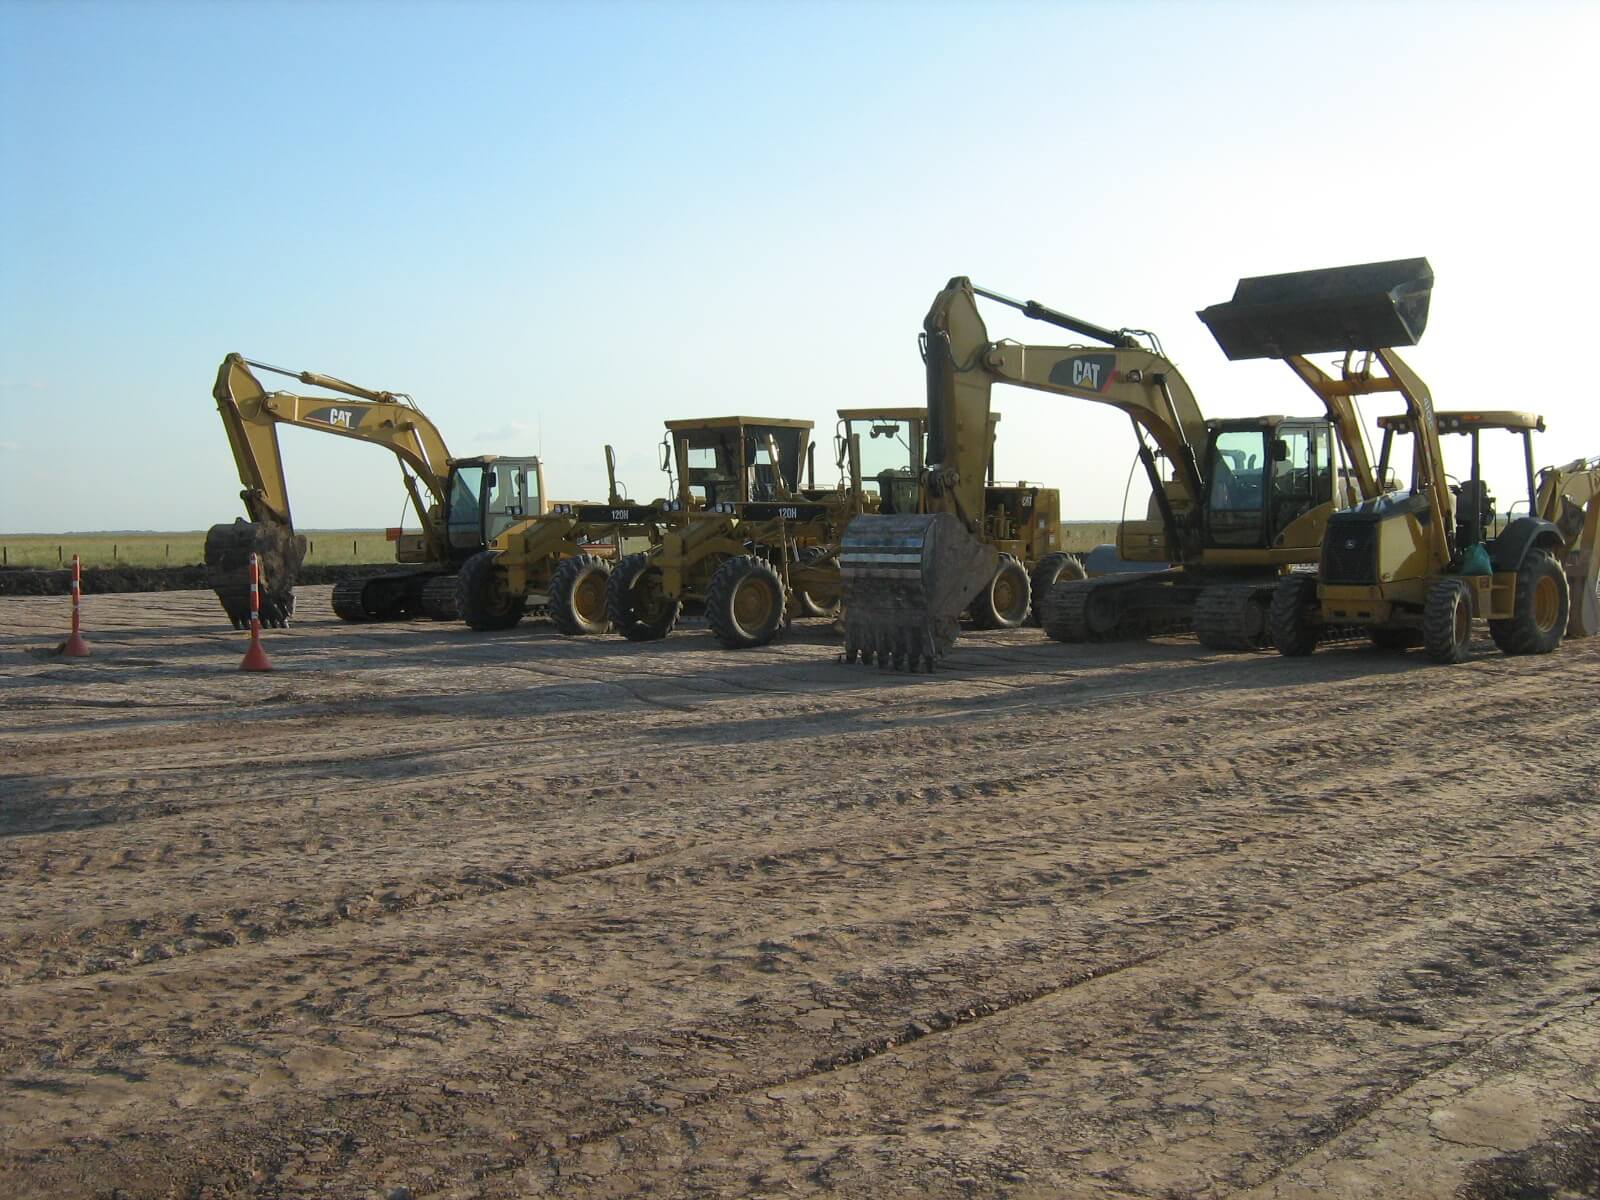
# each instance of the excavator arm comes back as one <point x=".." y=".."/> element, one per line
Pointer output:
<point x="251" y="416"/>
<point x="907" y="577"/>
<point x="963" y="365"/>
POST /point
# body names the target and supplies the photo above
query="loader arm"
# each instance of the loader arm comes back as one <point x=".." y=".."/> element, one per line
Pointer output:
<point x="251" y="416"/>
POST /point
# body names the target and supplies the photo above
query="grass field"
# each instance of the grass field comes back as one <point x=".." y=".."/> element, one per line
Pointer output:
<point x="328" y="547"/>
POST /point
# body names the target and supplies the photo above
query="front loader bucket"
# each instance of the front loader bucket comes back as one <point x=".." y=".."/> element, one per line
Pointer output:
<point x="278" y="550"/>
<point x="904" y="581"/>
<point x="1370" y="307"/>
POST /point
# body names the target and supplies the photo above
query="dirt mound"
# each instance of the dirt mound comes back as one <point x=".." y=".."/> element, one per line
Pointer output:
<point x="31" y="581"/>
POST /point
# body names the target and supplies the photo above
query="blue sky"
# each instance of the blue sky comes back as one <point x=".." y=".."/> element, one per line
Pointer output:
<point x="558" y="225"/>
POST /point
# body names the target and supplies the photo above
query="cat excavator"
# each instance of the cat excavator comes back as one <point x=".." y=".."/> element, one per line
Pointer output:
<point x="1239" y="501"/>
<point x="461" y="503"/>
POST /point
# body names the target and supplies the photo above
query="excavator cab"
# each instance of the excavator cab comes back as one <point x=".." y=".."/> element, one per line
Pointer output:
<point x="1262" y="474"/>
<point x="487" y="495"/>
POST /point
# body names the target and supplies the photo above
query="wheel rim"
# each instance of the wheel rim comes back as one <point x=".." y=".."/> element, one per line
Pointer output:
<point x="1546" y="603"/>
<point x="589" y="597"/>
<point x="1463" y="621"/>
<point x="1005" y="594"/>
<point x="752" y="604"/>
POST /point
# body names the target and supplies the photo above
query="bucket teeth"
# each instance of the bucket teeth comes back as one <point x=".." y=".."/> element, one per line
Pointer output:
<point x="905" y="581"/>
<point x="279" y="552"/>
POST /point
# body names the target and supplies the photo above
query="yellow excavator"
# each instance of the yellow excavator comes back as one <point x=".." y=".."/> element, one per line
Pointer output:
<point x="461" y="503"/>
<point x="1246" y="498"/>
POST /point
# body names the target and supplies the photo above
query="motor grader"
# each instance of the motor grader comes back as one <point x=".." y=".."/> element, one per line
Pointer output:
<point x="885" y="451"/>
<point x="561" y="560"/>
<point x="461" y="503"/>
<point x="741" y="537"/>
<point x="1416" y="566"/>
<point x="1233" y="502"/>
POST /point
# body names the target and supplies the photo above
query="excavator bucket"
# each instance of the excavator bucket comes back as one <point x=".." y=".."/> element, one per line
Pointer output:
<point x="279" y="553"/>
<point x="904" y="582"/>
<point x="1374" y="306"/>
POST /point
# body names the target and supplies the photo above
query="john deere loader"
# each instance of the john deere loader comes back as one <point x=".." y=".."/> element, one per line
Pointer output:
<point x="1416" y="566"/>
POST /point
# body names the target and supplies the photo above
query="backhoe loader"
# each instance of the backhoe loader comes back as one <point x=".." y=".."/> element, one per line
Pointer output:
<point x="462" y="504"/>
<point x="1415" y="567"/>
<point x="1245" y="499"/>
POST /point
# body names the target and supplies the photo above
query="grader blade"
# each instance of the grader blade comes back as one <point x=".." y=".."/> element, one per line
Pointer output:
<point x="904" y="581"/>
<point x="279" y="553"/>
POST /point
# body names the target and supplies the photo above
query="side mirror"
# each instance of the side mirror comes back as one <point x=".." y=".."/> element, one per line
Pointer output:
<point x="666" y="456"/>
<point x="489" y="481"/>
<point x="1280" y="450"/>
<point x="839" y="450"/>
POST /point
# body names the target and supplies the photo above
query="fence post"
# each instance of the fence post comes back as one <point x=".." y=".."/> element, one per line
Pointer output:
<point x="59" y="559"/>
<point x="352" y="549"/>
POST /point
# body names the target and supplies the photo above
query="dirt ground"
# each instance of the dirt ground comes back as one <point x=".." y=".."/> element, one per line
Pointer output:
<point x="430" y="913"/>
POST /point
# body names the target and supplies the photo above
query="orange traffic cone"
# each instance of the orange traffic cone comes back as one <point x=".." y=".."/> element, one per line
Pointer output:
<point x="255" y="658"/>
<point x="75" y="646"/>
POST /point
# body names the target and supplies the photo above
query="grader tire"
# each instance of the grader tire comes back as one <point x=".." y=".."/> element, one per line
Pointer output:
<point x="745" y="603"/>
<point x="1539" y="608"/>
<point x="483" y="603"/>
<point x="1447" y="621"/>
<point x="1007" y="602"/>
<point x="578" y="595"/>
<point x="1047" y="572"/>
<point x="635" y="608"/>
<point x="1293" y="633"/>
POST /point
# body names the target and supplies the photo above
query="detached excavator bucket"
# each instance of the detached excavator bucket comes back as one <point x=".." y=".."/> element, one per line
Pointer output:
<point x="904" y="581"/>
<point x="1370" y="307"/>
<point x="279" y="552"/>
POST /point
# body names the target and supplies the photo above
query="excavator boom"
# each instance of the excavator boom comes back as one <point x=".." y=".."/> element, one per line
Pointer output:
<point x="906" y="578"/>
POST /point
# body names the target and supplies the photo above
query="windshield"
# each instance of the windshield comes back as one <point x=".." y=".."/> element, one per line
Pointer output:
<point x="465" y="520"/>
<point x="889" y="461"/>
<point x="1234" y="493"/>
<point x="514" y="497"/>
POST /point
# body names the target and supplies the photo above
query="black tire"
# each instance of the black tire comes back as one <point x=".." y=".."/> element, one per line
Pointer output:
<point x="745" y="603"/>
<point x="1008" y="600"/>
<point x="1295" y="630"/>
<point x="1394" y="638"/>
<point x="1447" y="621"/>
<point x="1047" y="572"/>
<point x="482" y="598"/>
<point x="578" y="595"/>
<point x="634" y="603"/>
<point x="809" y="607"/>
<point x="1540" y="607"/>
